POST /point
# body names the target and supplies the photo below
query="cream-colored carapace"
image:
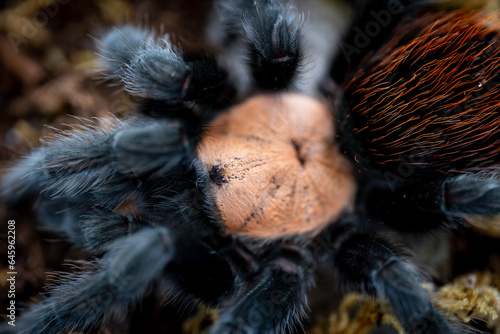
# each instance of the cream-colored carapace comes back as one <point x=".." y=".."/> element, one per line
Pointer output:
<point x="275" y="168"/>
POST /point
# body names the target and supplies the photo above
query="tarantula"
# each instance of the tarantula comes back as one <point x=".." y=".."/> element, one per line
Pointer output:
<point x="231" y="197"/>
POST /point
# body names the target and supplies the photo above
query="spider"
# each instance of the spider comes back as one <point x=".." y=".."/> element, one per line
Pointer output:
<point x="232" y="196"/>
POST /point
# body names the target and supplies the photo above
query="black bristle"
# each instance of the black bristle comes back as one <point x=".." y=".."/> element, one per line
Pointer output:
<point x="275" y="51"/>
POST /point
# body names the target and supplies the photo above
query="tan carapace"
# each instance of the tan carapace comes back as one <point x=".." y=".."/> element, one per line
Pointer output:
<point x="275" y="167"/>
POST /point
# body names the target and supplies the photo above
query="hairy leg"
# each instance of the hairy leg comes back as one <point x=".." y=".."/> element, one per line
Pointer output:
<point x="276" y="304"/>
<point x="119" y="280"/>
<point x="445" y="203"/>
<point x="155" y="69"/>
<point x="100" y="166"/>
<point x="368" y="264"/>
<point x="264" y="34"/>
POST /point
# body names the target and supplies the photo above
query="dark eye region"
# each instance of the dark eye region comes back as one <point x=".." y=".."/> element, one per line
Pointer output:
<point x="217" y="173"/>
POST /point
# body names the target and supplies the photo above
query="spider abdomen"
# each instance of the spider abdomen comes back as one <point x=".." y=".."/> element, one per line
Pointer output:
<point x="274" y="167"/>
<point x="429" y="97"/>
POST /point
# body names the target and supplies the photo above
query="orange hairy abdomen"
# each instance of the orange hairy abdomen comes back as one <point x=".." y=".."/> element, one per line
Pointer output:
<point x="278" y="170"/>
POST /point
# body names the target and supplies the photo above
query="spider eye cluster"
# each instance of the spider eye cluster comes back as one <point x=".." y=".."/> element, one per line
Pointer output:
<point x="217" y="175"/>
<point x="274" y="168"/>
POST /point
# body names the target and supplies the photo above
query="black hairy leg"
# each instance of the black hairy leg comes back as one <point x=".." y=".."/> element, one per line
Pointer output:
<point x="93" y="173"/>
<point x="474" y="194"/>
<point x="269" y="32"/>
<point x="368" y="264"/>
<point x="101" y="228"/>
<point x="102" y="166"/>
<point x="120" y="278"/>
<point x="276" y="304"/>
<point x="275" y="51"/>
<point x="157" y="70"/>
<point x="434" y="203"/>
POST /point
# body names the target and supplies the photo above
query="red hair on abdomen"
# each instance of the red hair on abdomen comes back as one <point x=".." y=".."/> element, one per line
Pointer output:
<point x="430" y="96"/>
